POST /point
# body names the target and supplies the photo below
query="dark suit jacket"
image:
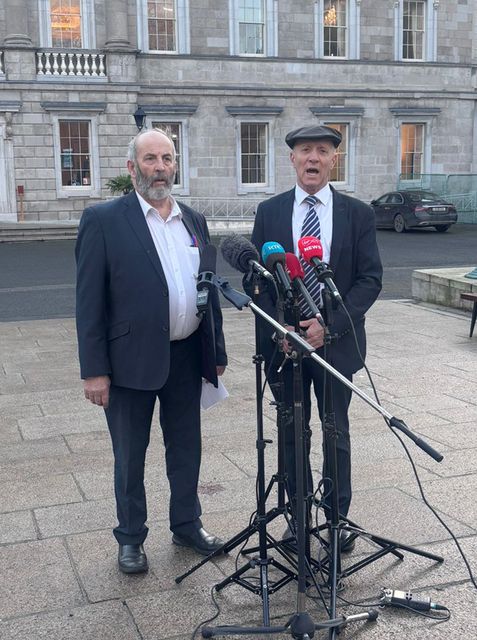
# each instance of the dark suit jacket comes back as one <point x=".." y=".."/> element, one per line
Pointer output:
<point x="122" y="304"/>
<point x="354" y="261"/>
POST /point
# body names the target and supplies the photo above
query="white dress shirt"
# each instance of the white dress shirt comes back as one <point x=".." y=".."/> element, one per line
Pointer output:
<point x="324" y="210"/>
<point x="180" y="262"/>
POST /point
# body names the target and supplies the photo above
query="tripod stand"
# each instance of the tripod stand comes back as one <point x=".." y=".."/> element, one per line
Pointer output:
<point x="300" y="626"/>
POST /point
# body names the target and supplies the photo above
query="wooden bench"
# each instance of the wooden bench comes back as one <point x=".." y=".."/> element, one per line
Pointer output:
<point x="473" y="298"/>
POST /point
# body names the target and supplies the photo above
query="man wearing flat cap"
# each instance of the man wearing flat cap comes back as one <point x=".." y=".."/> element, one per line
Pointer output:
<point x="346" y="228"/>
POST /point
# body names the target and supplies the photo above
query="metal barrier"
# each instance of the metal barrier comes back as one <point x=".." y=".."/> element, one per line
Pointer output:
<point x="218" y="208"/>
<point x="458" y="188"/>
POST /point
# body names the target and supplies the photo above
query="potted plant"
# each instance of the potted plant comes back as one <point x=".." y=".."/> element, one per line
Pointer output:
<point x="120" y="184"/>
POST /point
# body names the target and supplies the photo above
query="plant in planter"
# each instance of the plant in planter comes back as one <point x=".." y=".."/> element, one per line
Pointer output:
<point x="120" y="184"/>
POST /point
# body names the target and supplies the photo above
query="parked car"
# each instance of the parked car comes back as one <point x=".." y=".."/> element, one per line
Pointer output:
<point x="402" y="210"/>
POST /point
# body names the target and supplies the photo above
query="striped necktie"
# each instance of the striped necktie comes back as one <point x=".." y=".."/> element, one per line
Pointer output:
<point x="311" y="227"/>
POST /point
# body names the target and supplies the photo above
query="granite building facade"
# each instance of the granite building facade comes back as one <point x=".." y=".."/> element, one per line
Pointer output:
<point x="229" y="78"/>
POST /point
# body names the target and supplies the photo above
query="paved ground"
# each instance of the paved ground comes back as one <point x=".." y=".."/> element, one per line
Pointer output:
<point x="59" y="579"/>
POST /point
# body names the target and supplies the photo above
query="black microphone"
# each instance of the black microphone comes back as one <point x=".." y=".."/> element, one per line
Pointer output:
<point x="406" y="600"/>
<point x="273" y="255"/>
<point x="208" y="260"/>
<point x="242" y="255"/>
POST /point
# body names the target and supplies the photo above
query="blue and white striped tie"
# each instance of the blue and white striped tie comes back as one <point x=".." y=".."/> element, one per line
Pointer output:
<point x="311" y="227"/>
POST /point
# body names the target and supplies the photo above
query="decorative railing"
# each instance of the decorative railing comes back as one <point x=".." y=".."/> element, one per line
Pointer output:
<point x="219" y="208"/>
<point x="73" y="64"/>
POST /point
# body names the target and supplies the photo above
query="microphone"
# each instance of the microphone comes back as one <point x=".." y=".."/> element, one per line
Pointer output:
<point x="208" y="260"/>
<point x="242" y="255"/>
<point x="311" y="251"/>
<point x="273" y="256"/>
<point x="407" y="600"/>
<point x="296" y="273"/>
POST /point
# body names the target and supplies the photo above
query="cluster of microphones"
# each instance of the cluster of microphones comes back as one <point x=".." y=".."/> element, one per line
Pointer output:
<point x="283" y="270"/>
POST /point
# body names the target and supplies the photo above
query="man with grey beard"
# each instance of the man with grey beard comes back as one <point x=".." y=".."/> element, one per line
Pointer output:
<point x="140" y="339"/>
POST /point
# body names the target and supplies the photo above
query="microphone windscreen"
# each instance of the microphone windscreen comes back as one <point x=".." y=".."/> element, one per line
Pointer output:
<point x="272" y="252"/>
<point x="208" y="259"/>
<point x="294" y="268"/>
<point x="238" y="251"/>
<point x="310" y="247"/>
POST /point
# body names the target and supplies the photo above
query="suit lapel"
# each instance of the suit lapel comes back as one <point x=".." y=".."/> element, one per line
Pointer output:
<point x="284" y="223"/>
<point x="192" y="228"/>
<point x="340" y="224"/>
<point x="135" y="217"/>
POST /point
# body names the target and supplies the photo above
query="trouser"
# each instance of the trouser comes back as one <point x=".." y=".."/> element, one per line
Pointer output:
<point x="129" y="417"/>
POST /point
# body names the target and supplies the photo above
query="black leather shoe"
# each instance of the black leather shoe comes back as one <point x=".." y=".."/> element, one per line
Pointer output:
<point x="132" y="558"/>
<point x="347" y="541"/>
<point x="201" y="541"/>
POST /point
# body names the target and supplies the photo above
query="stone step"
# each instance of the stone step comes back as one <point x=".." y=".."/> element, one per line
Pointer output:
<point x="28" y="231"/>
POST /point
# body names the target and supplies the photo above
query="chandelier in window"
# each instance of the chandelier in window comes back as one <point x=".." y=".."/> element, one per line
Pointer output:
<point x="330" y="18"/>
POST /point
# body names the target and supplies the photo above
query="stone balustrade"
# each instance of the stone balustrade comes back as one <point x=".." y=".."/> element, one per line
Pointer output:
<point x="84" y="64"/>
<point x="2" y="71"/>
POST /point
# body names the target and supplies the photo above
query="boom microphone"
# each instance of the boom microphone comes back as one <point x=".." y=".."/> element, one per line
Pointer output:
<point x="208" y="260"/>
<point x="296" y="273"/>
<point x="311" y="251"/>
<point x="273" y="256"/>
<point x="242" y="255"/>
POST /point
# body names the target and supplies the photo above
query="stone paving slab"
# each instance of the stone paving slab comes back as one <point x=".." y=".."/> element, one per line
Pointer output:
<point x="58" y="572"/>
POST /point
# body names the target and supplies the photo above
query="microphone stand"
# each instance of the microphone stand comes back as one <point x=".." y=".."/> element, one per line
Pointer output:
<point x="262" y="518"/>
<point x="301" y="625"/>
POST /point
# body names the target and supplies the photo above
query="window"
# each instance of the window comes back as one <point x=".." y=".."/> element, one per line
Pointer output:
<point x="76" y="152"/>
<point x="163" y="26"/>
<point x="67" y="24"/>
<point x="340" y="171"/>
<point x="253" y="153"/>
<point x="75" y="147"/>
<point x="412" y="150"/>
<point x="335" y="28"/>
<point x="174" y="129"/>
<point x="413" y="30"/>
<point x="253" y="27"/>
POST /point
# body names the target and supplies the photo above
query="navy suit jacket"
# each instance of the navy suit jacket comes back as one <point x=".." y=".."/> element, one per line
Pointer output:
<point x="354" y="261"/>
<point x="122" y="298"/>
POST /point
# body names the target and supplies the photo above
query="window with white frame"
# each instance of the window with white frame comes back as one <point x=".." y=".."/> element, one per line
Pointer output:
<point x="415" y="30"/>
<point x="253" y="27"/>
<point x="340" y="172"/>
<point x="67" y="24"/>
<point x="75" y="150"/>
<point x="412" y="150"/>
<point x="174" y="130"/>
<point x="337" y="28"/>
<point x="163" y="26"/>
<point x="253" y="153"/>
<point x="76" y="155"/>
<point x="335" y="21"/>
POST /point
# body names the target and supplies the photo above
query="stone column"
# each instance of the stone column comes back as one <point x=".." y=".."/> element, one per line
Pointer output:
<point x="117" y="27"/>
<point x="16" y="18"/>
<point x="19" y="55"/>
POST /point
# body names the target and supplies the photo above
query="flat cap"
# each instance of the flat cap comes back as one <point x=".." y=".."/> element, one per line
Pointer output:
<point x="314" y="132"/>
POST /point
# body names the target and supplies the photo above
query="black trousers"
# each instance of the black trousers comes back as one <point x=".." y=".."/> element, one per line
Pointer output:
<point x="129" y="417"/>
<point x="313" y="376"/>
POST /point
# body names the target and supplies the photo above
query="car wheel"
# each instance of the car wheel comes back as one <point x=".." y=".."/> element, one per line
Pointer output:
<point x="442" y="227"/>
<point x="399" y="224"/>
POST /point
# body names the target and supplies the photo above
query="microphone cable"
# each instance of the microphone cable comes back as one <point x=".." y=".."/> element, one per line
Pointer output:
<point x="409" y="456"/>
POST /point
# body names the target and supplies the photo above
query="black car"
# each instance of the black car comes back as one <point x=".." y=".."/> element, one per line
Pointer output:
<point x="402" y="210"/>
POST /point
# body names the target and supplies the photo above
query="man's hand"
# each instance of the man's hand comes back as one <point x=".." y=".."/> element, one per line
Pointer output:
<point x="220" y="369"/>
<point x="97" y="390"/>
<point x="314" y="332"/>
